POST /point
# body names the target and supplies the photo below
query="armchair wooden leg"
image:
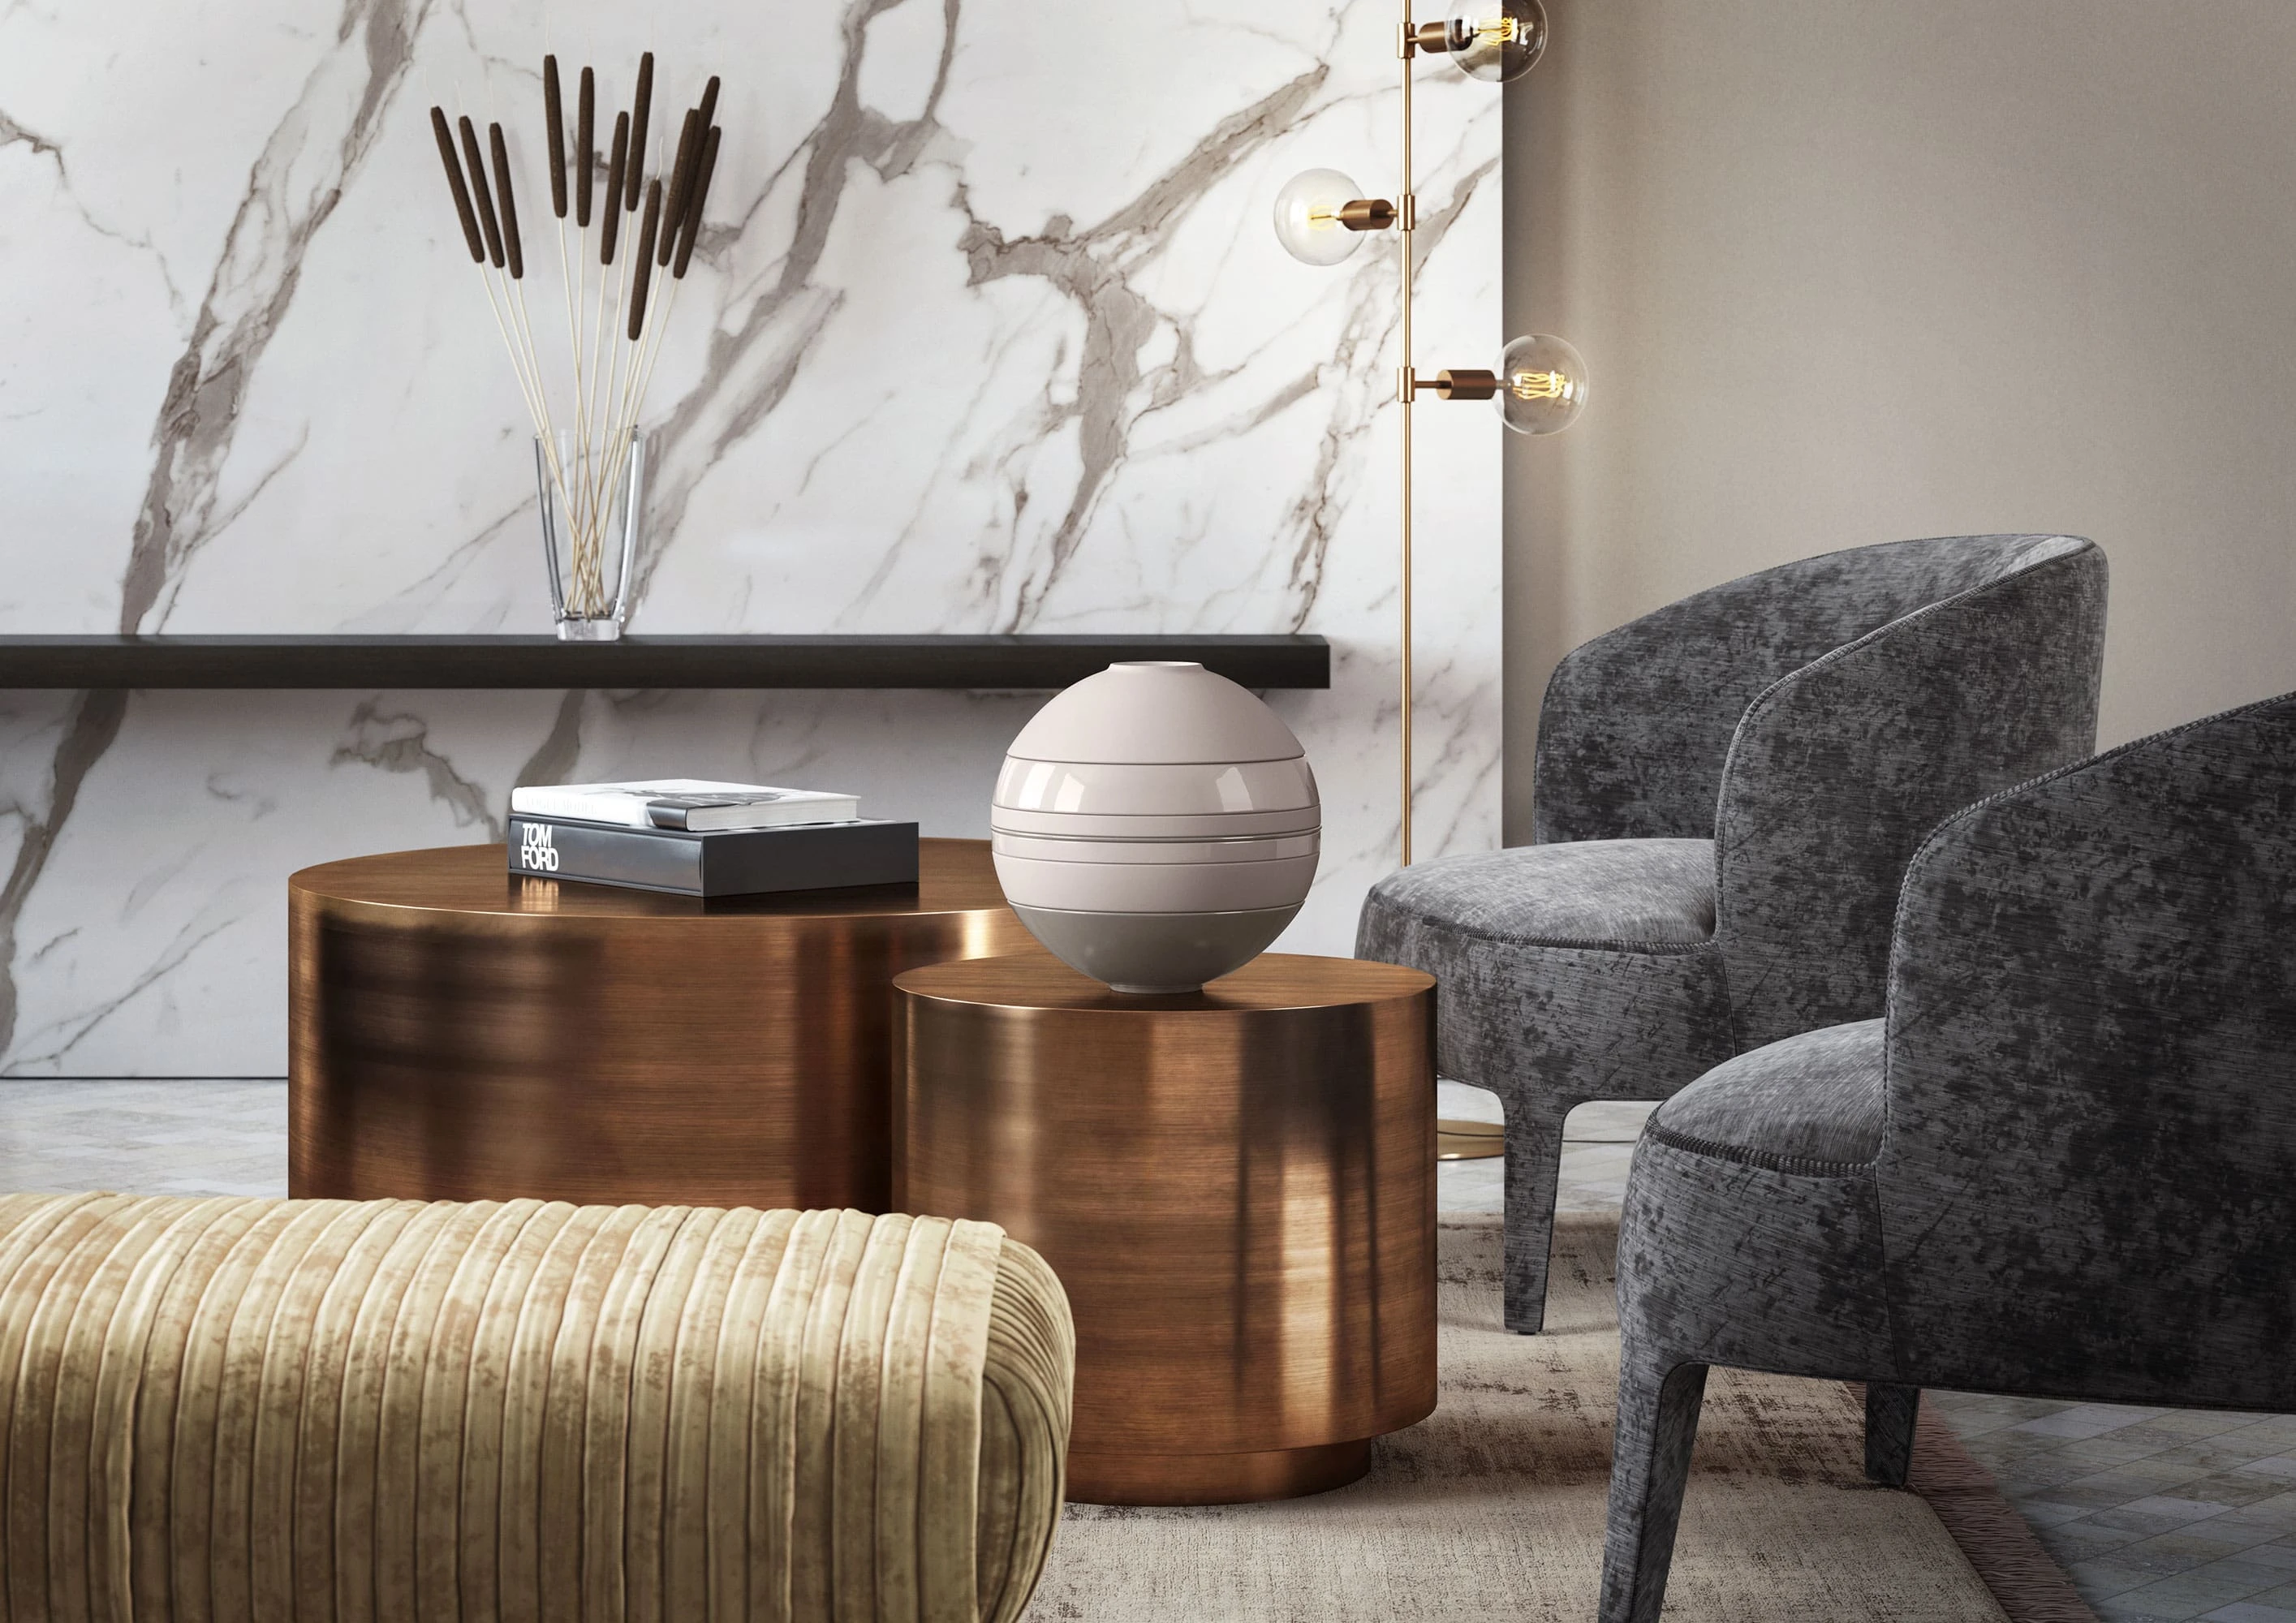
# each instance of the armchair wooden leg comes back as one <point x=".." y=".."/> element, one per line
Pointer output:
<point x="1890" y="1411"/>
<point x="1534" y="1164"/>
<point x="1650" y="1467"/>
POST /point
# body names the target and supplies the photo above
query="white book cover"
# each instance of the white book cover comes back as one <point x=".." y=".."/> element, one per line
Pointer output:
<point x="694" y="804"/>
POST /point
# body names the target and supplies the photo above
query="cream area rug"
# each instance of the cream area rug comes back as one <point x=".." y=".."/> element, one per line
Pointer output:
<point x="1492" y="1508"/>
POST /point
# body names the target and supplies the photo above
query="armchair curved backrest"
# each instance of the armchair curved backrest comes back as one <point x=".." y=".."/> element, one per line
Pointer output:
<point x="1839" y="770"/>
<point x="1635" y="724"/>
<point x="1816" y="720"/>
<point x="2087" y="1173"/>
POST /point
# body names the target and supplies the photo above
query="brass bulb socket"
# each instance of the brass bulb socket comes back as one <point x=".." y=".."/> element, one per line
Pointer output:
<point x="1368" y="214"/>
<point x="1432" y="36"/>
<point x="1466" y="385"/>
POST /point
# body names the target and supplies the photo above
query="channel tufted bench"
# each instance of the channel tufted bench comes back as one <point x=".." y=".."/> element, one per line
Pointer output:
<point x="392" y="1410"/>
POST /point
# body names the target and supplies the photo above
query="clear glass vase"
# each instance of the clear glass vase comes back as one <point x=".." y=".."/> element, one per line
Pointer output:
<point x="593" y="498"/>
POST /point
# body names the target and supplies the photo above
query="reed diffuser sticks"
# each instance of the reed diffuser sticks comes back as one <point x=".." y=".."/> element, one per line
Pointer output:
<point x="614" y="330"/>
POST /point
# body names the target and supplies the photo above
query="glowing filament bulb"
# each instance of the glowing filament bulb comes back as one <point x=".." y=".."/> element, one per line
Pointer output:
<point x="1542" y="384"/>
<point x="1498" y="39"/>
<point x="1307" y="217"/>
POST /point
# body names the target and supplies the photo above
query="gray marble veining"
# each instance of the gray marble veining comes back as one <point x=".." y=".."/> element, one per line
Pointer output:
<point x="988" y="332"/>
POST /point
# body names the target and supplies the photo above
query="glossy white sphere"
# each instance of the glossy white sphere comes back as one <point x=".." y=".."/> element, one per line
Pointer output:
<point x="1156" y="827"/>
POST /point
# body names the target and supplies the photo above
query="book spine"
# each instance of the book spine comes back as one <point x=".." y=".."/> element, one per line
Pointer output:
<point x="809" y="857"/>
<point x="543" y="847"/>
<point x="739" y="862"/>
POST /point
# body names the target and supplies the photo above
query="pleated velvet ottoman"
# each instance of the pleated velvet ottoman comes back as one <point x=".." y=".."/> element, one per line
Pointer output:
<point x="389" y="1410"/>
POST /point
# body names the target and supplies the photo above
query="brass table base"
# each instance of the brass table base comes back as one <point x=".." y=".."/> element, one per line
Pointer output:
<point x="455" y="1034"/>
<point x="1237" y="1187"/>
<point x="1215" y="1478"/>
<point x="1457" y="1139"/>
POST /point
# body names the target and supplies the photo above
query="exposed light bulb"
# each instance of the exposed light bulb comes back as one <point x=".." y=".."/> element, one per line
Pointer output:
<point x="1497" y="40"/>
<point x="1308" y="217"/>
<point x="1542" y="384"/>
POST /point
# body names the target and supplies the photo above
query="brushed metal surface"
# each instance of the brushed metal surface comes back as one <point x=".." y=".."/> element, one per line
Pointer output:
<point x="458" y="1034"/>
<point x="1216" y="1478"/>
<point x="1237" y="1187"/>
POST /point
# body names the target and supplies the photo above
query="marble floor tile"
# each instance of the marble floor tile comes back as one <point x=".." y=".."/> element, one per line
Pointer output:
<point x="1598" y="1146"/>
<point x="2251" y="1611"/>
<point x="2180" y="1484"/>
<point x="2086" y="1420"/>
<point x="144" y="1138"/>
<point x="2189" y="1595"/>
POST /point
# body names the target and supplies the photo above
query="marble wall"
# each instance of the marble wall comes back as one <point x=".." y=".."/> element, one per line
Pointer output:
<point x="988" y="333"/>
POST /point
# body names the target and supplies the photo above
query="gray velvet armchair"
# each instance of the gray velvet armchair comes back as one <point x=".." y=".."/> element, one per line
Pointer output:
<point x="2063" y="1165"/>
<point x="1727" y="793"/>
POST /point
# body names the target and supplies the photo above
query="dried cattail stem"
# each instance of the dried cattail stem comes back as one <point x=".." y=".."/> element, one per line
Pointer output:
<point x="475" y="162"/>
<point x="585" y="141"/>
<point x="512" y="248"/>
<point x="640" y="109"/>
<point x="689" y="229"/>
<point x="614" y="171"/>
<point x="454" y="182"/>
<point x="681" y="181"/>
<point x="643" y="263"/>
<point x="611" y="368"/>
<point x="553" y="113"/>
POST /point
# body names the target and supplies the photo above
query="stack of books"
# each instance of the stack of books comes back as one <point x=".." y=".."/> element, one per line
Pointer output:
<point x="693" y="838"/>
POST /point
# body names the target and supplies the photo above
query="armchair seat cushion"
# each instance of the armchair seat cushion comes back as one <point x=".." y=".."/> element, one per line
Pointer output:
<point x="1583" y="970"/>
<point x="1626" y="894"/>
<point x="1808" y="1103"/>
<point x="1753" y="1198"/>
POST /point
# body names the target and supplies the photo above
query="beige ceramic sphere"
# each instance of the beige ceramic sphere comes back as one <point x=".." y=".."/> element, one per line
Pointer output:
<point x="1156" y="827"/>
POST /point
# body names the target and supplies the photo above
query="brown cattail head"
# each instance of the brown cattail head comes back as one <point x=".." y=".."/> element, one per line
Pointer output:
<point x="586" y="143"/>
<point x="692" y="226"/>
<point x="709" y="101"/>
<point x="615" y="160"/>
<point x="644" y="261"/>
<point x="455" y="183"/>
<point x="681" y="181"/>
<point x="512" y="247"/>
<point x="639" y="110"/>
<point x="475" y="162"/>
<point x="553" y="113"/>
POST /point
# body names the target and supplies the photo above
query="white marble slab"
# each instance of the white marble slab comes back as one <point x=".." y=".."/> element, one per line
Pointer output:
<point x="988" y="332"/>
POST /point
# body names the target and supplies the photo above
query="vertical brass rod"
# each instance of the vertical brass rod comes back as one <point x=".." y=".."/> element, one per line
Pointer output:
<point x="1409" y="207"/>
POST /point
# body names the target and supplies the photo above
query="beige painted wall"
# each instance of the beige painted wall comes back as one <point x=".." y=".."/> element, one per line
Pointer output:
<point x="1848" y="272"/>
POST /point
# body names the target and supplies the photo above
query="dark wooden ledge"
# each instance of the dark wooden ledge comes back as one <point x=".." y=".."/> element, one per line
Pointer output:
<point x="979" y="663"/>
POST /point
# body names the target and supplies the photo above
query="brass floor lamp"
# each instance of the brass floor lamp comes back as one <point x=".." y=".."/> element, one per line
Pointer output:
<point x="1538" y="383"/>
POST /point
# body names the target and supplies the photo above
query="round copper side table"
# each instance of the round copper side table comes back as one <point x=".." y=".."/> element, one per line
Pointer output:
<point x="1237" y="1186"/>
<point x="459" y="1034"/>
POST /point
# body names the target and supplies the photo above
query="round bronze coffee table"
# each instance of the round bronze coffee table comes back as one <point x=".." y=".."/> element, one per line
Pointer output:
<point x="458" y="1034"/>
<point x="1237" y="1186"/>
